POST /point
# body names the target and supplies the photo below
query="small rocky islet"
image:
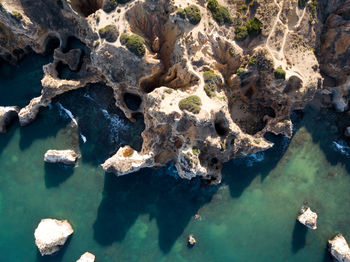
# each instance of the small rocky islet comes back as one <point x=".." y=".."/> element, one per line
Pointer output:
<point x="211" y="79"/>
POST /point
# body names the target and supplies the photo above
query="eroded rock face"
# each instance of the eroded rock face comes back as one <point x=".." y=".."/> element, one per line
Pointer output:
<point x="236" y="110"/>
<point x="67" y="157"/>
<point x="307" y="217"/>
<point x="87" y="257"/>
<point x="7" y="116"/>
<point x="51" y="235"/>
<point x="339" y="248"/>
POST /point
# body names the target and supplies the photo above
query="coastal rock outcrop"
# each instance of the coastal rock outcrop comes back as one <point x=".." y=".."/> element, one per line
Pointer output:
<point x="87" y="257"/>
<point x="191" y="241"/>
<point x="209" y="91"/>
<point x="7" y="116"/>
<point x="339" y="248"/>
<point x="307" y="217"/>
<point x="67" y="157"/>
<point x="51" y="235"/>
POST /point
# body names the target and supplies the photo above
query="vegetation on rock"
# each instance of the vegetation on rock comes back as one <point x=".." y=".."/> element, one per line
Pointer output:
<point x="219" y="12"/>
<point x="279" y="73"/>
<point x="254" y="26"/>
<point x="109" y="32"/>
<point x="181" y="12"/>
<point x="192" y="104"/>
<point x="241" y="32"/>
<point x="193" y="14"/>
<point x="135" y="44"/>
<point x="16" y="15"/>
<point x="195" y="151"/>
<point x="212" y="81"/>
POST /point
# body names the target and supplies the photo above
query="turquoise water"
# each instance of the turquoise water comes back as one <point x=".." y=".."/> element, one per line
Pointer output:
<point x="147" y="216"/>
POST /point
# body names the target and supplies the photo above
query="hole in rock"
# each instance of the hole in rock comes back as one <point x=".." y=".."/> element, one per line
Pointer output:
<point x="64" y="72"/>
<point x="221" y="127"/>
<point x="51" y="43"/>
<point x="132" y="101"/>
<point x="86" y="7"/>
<point x="75" y="43"/>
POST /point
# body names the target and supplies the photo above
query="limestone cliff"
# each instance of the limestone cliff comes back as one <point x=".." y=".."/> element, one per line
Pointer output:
<point x="213" y="77"/>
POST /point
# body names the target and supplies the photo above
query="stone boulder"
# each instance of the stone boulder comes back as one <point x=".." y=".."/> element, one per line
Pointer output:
<point x="51" y="235"/>
<point x="307" y="217"/>
<point x="191" y="240"/>
<point x="7" y="115"/>
<point x="339" y="248"/>
<point x="87" y="257"/>
<point x="67" y="157"/>
<point x="71" y="58"/>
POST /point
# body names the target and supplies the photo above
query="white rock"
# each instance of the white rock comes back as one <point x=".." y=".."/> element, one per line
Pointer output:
<point x="191" y="240"/>
<point x="339" y="248"/>
<point x="87" y="257"/>
<point x="307" y="217"/>
<point x="68" y="157"/>
<point x="51" y="234"/>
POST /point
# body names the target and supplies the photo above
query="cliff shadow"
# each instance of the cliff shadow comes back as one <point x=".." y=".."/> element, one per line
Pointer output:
<point x="47" y="124"/>
<point x="6" y="137"/>
<point x="299" y="236"/>
<point x="56" y="174"/>
<point x="327" y="129"/>
<point x="171" y="202"/>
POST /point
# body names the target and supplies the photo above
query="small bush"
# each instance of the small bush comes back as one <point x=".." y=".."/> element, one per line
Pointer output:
<point x="195" y="151"/>
<point x="240" y="71"/>
<point x="181" y="13"/>
<point x="135" y="44"/>
<point x="212" y="81"/>
<point x="109" y="32"/>
<point x="279" y="73"/>
<point x="252" y="61"/>
<point x="17" y="16"/>
<point x="254" y="26"/>
<point x="192" y="104"/>
<point x="241" y="32"/>
<point x="210" y="89"/>
<point x="193" y="14"/>
<point x="219" y="12"/>
<point x="109" y="5"/>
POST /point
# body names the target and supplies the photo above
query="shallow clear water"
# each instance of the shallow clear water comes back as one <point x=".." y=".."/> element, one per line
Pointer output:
<point x="147" y="216"/>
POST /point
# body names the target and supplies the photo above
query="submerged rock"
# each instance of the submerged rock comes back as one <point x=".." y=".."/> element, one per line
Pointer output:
<point x="339" y="248"/>
<point x="51" y="235"/>
<point x="67" y="157"/>
<point x="191" y="240"/>
<point x="347" y="131"/>
<point x="307" y="217"/>
<point x="7" y="115"/>
<point x="87" y="257"/>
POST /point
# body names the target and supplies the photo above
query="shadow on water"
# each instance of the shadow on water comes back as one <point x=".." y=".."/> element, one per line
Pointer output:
<point x="170" y="202"/>
<point x="322" y="125"/>
<point x="104" y="126"/>
<point x="6" y="137"/>
<point x="239" y="173"/>
<point x="299" y="237"/>
<point x="55" y="174"/>
<point x="57" y="257"/>
<point x="47" y="124"/>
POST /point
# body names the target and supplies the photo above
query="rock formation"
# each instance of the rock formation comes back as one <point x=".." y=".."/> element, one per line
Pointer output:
<point x="87" y="257"/>
<point x="51" y="235"/>
<point x="307" y="217"/>
<point x="210" y="89"/>
<point x="339" y="248"/>
<point x="67" y="157"/>
<point x="191" y="240"/>
<point x="7" y="116"/>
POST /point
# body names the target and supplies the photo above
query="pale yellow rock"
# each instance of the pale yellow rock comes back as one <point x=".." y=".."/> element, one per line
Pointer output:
<point x="51" y="235"/>
<point x="339" y="248"/>
<point x="308" y="218"/>
<point x="87" y="257"/>
<point x="67" y="157"/>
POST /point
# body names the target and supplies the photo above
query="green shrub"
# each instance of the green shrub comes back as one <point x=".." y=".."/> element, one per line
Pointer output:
<point x="279" y="73"/>
<point x="210" y="89"/>
<point x="109" y="32"/>
<point x="240" y="71"/>
<point x="252" y="61"/>
<point x="219" y="12"/>
<point x="313" y="7"/>
<point x="193" y="14"/>
<point x="135" y="44"/>
<point x="241" y="32"/>
<point x="181" y="12"/>
<point x="212" y="81"/>
<point x="254" y="26"/>
<point x="192" y="104"/>
<point x="17" y="16"/>
<point x="195" y="151"/>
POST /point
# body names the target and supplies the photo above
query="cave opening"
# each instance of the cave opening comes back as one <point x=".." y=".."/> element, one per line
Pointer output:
<point x="132" y="101"/>
<point x="221" y="127"/>
<point x="51" y="43"/>
<point x="86" y="7"/>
